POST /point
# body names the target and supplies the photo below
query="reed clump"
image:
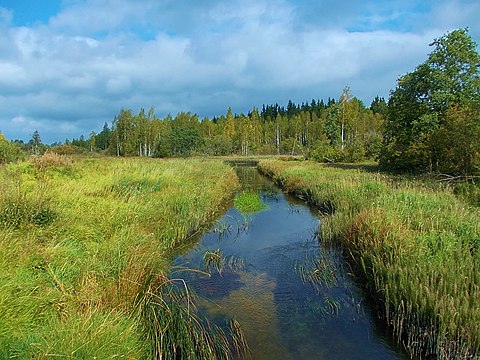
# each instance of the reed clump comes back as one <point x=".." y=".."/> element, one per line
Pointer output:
<point x="417" y="249"/>
<point x="76" y="247"/>
<point x="21" y="207"/>
<point x="168" y="316"/>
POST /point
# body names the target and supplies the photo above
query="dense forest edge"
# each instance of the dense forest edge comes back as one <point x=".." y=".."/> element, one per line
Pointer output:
<point x="404" y="215"/>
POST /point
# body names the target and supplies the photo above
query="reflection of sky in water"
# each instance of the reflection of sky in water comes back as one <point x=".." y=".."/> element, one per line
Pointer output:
<point x="282" y="316"/>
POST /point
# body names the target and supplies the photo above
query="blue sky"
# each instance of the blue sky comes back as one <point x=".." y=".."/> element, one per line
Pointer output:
<point x="68" y="66"/>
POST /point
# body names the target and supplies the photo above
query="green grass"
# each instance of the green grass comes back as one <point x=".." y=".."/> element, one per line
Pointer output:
<point x="416" y="246"/>
<point x="248" y="202"/>
<point x="79" y="240"/>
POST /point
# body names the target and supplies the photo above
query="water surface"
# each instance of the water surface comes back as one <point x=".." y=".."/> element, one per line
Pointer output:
<point x="293" y="297"/>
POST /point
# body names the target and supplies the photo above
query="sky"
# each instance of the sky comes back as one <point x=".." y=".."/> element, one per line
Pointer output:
<point x="69" y="66"/>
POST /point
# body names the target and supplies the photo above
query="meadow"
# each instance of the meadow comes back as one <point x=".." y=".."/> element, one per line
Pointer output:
<point x="413" y="245"/>
<point x="85" y="246"/>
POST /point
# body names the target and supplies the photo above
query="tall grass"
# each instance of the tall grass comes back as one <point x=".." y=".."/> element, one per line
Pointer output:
<point x="416" y="248"/>
<point x="79" y="240"/>
<point x="169" y="320"/>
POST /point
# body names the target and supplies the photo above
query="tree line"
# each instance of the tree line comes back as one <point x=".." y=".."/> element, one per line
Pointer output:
<point x="305" y="129"/>
<point x="431" y="122"/>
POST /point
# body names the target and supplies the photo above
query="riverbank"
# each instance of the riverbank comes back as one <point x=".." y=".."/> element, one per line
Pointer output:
<point x="78" y="240"/>
<point x="416" y="249"/>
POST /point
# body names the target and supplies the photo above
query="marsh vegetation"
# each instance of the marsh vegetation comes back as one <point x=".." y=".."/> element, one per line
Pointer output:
<point x="85" y="245"/>
<point x="416" y="247"/>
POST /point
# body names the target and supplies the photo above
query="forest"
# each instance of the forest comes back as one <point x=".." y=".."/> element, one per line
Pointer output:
<point x="430" y="123"/>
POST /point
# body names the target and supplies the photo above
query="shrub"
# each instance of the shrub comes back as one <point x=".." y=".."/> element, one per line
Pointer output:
<point x="9" y="152"/>
<point x="50" y="160"/>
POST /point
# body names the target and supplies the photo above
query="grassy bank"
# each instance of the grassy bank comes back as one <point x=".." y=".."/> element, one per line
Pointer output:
<point x="417" y="249"/>
<point x="83" y="246"/>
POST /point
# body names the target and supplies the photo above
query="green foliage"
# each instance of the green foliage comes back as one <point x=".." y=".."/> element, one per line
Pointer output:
<point x="80" y="337"/>
<point x="19" y="207"/>
<point x="274" y="130"/>
<point x="322" y="151"/>
<point x="426" y="102"/>
<point x="103" y="139"/>
<point x="379" y="106"/>
<point x="469" y="192"/>
<point x="68" y="150"/>
<point x="163" y="147"/>
<point x="355" y="152"/>
<point x="373" y="146"/>
<point x="291" y="146"/>
<point x="456" y="144"/>
<point x="129" y="186"/>
<point x="9" y="152"/>
<point x="219" y="145"/>
<point x="184" y="140"/>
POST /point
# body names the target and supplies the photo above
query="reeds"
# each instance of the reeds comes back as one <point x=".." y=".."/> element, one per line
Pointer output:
<point x="166" y="308"/>
<point x="22" y="207"/>
<point x="417" y="249"/>
<point x="219" y="262"/>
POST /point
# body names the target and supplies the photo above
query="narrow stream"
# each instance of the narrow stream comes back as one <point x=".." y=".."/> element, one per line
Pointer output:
<point x="293" y="297"/>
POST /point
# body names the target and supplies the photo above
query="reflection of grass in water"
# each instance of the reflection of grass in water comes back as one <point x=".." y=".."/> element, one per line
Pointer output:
<point x="249" y="202"/>
<point x="254" y="307"/>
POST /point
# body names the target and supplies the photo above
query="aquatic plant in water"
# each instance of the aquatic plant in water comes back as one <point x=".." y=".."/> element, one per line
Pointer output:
<point x="248" y="202"/>
<point x="319" y="274"/>
<point x="219" y="261"/>
<point x="167" y="311"/>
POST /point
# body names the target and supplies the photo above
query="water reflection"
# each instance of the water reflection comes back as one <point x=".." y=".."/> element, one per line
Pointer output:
<point x="293" y="298"/>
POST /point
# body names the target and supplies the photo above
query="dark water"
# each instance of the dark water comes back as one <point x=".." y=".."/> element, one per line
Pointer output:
<point x="293" y="297"/>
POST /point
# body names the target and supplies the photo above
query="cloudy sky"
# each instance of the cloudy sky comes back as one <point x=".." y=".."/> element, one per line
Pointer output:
<point x="68" y="66"/>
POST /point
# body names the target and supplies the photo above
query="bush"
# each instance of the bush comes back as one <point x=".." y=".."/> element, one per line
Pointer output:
<point x="322" y="151"/>
<point x="50" y="160"/>
<point x="68" y="150"/>
<point x="9" y="152"/>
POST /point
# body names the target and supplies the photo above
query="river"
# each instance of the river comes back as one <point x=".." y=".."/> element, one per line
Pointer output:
<point x="293" y="296"/>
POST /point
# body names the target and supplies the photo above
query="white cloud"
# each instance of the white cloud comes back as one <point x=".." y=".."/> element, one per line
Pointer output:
<point x="11" y="74"/>
<point x="118" y="85"/>
<point x="93" y="43"/>
<point x="19" y="120"/>
<point x="97" y="56"/>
